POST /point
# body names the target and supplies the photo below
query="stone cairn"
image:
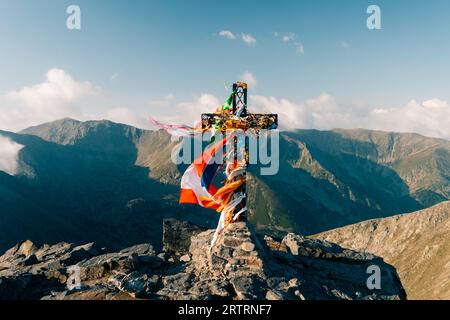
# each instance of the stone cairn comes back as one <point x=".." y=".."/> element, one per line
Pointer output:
<point x="236" y="250"/>
<point x="235" y="258"/>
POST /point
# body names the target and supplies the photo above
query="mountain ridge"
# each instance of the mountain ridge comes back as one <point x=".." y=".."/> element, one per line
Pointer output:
<point x="114" y="178"/>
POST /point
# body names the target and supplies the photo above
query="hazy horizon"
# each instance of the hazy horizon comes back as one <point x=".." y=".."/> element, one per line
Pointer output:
<point x="282" y="130"/>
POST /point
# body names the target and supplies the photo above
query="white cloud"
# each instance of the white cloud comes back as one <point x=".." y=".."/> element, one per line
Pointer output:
<point x="249" y="78"/>
<point x="248" y="39"/>
<point x="192" y="110"/>
<point x="288" y="37"/>
<point x="380" y="111"/>
<point x="124" y="115"/>
<point x="9" y="155"/>
<point x="344" y="44"/>
<point x="430" y="118"/>
<point x="59" y="88"/>
<point x="435" y="103"/>
<point x="291" y="38"/>
<point x="291" y="115"/>
<point x="60" y="96"/>
<point x="187" y="112"/>
<point x="56" y="97"/>
<point x="227" y="34"/>
<point x="300" y="48"/>
<point x="164" y="102"/>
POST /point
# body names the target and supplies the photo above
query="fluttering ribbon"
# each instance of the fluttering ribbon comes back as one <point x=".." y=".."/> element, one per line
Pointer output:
<point x="177" y="130"/>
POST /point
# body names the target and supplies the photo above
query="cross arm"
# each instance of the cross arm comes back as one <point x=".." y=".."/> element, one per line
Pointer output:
<point x="224" y="121"/>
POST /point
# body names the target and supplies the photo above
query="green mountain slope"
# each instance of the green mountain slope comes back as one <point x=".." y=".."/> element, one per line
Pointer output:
<point x="333" y="178"/>
<point x="89" y="187"/>
<point x="112" y="183"/>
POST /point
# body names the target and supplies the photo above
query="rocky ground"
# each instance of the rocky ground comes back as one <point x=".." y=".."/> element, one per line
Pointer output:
<point x="243" y="265"/>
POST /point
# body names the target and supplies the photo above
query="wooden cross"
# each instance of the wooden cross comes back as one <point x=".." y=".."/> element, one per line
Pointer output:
<point x="238" y="118"/>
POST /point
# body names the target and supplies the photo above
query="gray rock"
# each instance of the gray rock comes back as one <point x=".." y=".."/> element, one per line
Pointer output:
<point x="177" y="235"/>
<point x="249" y="288"/>
<point x="145" y="249"/>
<point x="134" y="284"/>
<point x="219" y="288"/>
<point x="185" y="258"/>
<point x="163" y="256"/>
<point x="308" y="247"/>
<point x="125" y="261"/>
<point x="274" y="295"/>
<point x="239" y="266"/>
<point x="248" y="246"/>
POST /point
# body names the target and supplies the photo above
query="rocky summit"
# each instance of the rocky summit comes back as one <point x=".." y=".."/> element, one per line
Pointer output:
<point x="243" y="265"/>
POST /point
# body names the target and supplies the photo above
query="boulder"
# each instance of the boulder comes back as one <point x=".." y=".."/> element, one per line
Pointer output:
<point x="124" y="261"/>
<point x="177" y="235"/>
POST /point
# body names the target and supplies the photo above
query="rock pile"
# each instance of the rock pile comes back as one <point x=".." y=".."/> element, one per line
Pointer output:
<point x="242" y="265"/>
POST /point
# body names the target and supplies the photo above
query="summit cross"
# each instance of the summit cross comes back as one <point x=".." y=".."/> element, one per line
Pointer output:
<point x="240" y="120"/>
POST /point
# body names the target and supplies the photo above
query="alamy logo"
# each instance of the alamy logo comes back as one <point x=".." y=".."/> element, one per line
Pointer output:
<point x="374" y="280"/>
<point x="74" y="278"/>
<point x="263" y="150"/>
<point x="73" y="21"/>
<point x="374" y="20"/>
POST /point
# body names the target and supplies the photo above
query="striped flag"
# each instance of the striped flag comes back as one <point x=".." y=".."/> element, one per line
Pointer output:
<point x="196" y="183"/>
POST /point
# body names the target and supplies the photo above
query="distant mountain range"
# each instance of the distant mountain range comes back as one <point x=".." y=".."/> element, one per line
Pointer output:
<point x="113" y="184"/>
<point x="416" y="244"/>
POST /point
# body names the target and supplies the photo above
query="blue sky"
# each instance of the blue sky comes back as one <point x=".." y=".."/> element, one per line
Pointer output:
<point x="138" y="51"/>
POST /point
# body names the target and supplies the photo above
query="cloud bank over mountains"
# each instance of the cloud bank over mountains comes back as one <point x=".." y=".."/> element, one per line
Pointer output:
<point x="60" y="96"/>
<point x="9" y="155"/>
<point x="429" y="118"/>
